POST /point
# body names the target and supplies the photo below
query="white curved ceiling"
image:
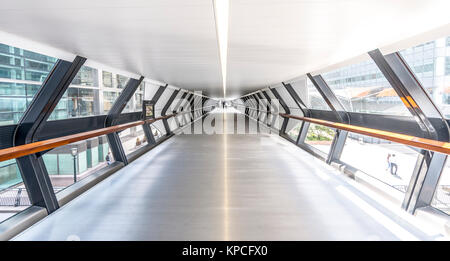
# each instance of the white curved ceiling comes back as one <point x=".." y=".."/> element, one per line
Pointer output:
<point x="175" y="41"/>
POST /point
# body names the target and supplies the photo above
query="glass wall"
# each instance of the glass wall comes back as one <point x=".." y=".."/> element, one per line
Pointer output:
<point x="441" y="199"/>
<point x="135" y="103"/>
<point x="76" y="161"/>
<point x="320" y="137"/>
<point x="91" y="95"/>
<point x="132" y="139"/>
<point x="391" y="163"/>
<point x="21" y="74"/>
<point x="314" y="99"/>
<point x="430" y="62"/>
<point x="363" y="88"/>
<point x="294" y="131"/>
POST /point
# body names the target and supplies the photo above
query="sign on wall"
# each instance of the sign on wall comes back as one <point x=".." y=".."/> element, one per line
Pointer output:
<point x="148" y="108"/>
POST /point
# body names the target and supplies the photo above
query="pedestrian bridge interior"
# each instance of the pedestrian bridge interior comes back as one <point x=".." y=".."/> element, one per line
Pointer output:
<point x="224" y="120"/>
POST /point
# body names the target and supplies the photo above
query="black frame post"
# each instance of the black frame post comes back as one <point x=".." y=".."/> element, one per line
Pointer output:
<point x="32" y="167"/>
<point x="146" y="127"/>
<point x="269" y="109"/>
<point x="337" y="146"/>
<point x="286" y="110"/>
<point x="117" y="108"/>
<point x="164" y="111"/>
<point x="177" y="106"/>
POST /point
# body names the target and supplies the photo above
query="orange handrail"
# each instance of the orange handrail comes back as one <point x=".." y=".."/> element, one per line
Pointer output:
<point x="427" y="144"/>
<point x="35" y="147"/>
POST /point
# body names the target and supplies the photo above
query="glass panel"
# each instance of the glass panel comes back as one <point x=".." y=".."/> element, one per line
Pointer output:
<point x="19" y="64"/>
<point x="76" y="161"/>
<point x="112" y="80"/>
<point x="150" y="90"/>
<point x="320" y="137"/>
<point x="79" y="101"/>
<point x="107" y="79"/>
<point x="87" y="76"/>
<point x="430" y="62"/>
<point x="133" y="139"/>
<point x="108" y="100"/>
<point x="290" y="102"/>
<point x="293" y="129"/>
<point x="13" y="195"/>
<point x="391" y="163"/>
<point x="134" y="104"/>
<point x="315" y="100"/>
<point x="162" y="101"/>
<point x="121" y="81"/>
<point x="363" y="88"/>
<point x="300" y="87"/>
<point x="156" y="132"/>
<point x="441" y="199"/>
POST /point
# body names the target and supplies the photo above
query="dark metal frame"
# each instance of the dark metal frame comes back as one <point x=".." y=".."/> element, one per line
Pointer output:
<point x="32" y="167"/>
<point x="121" y="102"/>
<point x="164" y="111"/>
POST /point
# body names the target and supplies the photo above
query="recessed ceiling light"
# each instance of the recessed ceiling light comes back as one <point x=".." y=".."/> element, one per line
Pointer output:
<point x="221" y="15"/>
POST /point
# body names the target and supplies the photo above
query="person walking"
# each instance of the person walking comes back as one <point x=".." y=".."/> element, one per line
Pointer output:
<point x="394" y="166"/>
<point x="108" y="158"/>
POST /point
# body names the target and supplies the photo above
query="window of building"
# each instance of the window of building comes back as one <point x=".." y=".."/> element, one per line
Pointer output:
<point x="108" y="100"/>
<point x="19" y="64"/>
<point x="87" y="76"/>
<point x="79" y="101"/>
<point x="447" y="65"/>
<point x="107" y="79"/>
<point x="121" y="81"/>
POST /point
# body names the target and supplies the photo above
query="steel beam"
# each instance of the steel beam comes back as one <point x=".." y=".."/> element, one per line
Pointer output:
<point x="301" y="105"/>
<point x="32" y="167"/>
<point x="329" y="97"/>
<point x="192" y="106"/>
<point x="164" y="110"/>
<point x="185" y="107"/>
<point x="286" y="110"/>
<point x="333" y="102"/>
<point x="146" y="127"/>
<point x="269" y="109"/>
<point x="306" y="112"/>
<point x="116" y="109"/>
<point x="264" y="105"/>
<point x="177" y="106"/>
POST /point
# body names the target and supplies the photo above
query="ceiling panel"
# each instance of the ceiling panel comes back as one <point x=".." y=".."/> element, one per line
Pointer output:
<point x="273" y="41"/>
<point x="170" y="41"/>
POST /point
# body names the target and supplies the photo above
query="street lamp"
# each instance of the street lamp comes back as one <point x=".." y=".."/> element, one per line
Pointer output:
<point x="74" y="152"/>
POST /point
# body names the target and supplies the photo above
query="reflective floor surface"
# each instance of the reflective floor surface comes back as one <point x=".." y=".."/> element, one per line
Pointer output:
<point x="223" y="187"/>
